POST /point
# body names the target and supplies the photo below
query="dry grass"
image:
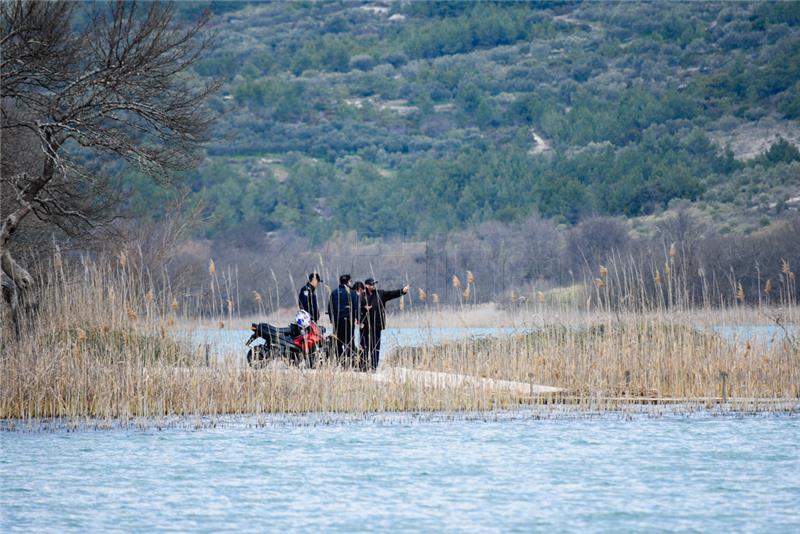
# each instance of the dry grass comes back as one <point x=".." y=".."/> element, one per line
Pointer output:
<point x="104" y="344"/>
<point x="633" y="356"/>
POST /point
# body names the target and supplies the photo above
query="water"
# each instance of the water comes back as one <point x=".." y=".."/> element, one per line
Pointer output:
<point x="232" y="341"/>
<point x="761" y="334"/>
<point x="605" y="474"/>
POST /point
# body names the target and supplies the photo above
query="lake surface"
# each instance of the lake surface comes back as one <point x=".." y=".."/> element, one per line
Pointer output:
<point x="224" y="342"/>
<point x="494" y="473"/>
<point x="232" y="341"/>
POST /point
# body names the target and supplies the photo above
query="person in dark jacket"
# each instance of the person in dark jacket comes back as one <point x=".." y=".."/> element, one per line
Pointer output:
<point x="373" y="320"/>
<point x="359" y="358"/>
<point x="343" y="310"/>
<point x="308" y="298"/>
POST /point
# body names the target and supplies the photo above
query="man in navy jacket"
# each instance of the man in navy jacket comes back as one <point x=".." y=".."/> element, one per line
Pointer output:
<point x="308" y="297"/>
<point x="343" y="310"/>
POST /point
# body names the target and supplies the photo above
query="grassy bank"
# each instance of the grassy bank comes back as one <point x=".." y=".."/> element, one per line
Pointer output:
<point x="639" y="357"/>
<point x="105" y="344"/>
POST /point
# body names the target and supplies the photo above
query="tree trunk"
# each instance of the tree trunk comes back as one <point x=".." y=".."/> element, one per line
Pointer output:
<point x="10" y="296"/>
<point x="17" y="286"/>
<point x="17" y="283"/>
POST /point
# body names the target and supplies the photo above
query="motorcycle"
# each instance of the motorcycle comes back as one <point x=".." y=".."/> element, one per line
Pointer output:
<point x="302" y="342"/>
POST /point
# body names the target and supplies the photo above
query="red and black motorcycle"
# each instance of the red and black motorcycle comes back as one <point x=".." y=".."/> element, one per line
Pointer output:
<point x="302" y="342"/>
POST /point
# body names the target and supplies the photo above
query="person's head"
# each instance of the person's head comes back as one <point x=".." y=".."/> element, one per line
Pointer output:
<point x="358" y="287"/>
<point x="345" y="280"/>
<point x="314" y="279"/>
<point x="370" y="284"/>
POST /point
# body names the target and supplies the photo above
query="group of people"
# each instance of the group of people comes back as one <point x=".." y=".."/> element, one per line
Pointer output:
<point x="353" y="305"/>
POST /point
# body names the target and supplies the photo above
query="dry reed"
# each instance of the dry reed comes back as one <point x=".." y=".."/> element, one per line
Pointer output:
<point x="103" y="345"/>
<point x="652" y="357"/>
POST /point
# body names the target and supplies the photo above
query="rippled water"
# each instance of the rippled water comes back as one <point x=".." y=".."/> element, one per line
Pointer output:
<point x="613" y="474"/>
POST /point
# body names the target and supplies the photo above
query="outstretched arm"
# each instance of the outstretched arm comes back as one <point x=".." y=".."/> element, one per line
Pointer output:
<point x="392" y="294"/>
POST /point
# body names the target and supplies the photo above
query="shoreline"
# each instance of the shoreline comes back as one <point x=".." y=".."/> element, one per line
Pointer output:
<point x="555" y="412"/>
<point x="493" y="315"/>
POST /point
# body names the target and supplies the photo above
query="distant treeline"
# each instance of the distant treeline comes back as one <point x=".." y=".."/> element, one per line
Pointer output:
<point x="497" y="182"/>
<point x="684" y="262"/>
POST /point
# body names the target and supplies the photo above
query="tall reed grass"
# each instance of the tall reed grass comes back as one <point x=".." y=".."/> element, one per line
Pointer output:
<point x="632" y="356"/>
<point x="106" y="342"/>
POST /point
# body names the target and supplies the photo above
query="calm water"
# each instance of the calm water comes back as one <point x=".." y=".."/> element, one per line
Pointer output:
<point x="607" y="474"/>
<point x="232" y="341"/>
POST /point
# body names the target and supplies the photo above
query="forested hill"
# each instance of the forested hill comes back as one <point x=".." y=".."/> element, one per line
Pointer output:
<point x="410" y="118"/>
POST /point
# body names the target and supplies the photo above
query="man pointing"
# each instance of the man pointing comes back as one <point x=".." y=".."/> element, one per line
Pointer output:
<point x="373" y="319"/>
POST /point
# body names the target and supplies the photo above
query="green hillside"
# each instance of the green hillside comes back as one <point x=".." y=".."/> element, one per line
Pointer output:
<point x="410" y="118"/>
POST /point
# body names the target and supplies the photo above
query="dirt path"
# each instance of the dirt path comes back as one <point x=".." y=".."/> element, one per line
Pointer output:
<point x="540" y="146"/>
<point x="437" y="379"/>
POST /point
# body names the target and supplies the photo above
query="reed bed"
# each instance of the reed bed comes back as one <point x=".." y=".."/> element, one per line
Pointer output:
<point x="631" y="357"/>
<point x="106" y="344"/>
<point x="131" y="391"/>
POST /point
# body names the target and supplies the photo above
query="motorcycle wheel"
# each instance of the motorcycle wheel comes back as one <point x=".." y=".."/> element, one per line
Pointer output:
<point x="256" y="355"/>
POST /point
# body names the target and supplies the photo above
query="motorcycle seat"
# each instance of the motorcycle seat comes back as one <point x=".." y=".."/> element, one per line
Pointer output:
<point x="266" y="329"/>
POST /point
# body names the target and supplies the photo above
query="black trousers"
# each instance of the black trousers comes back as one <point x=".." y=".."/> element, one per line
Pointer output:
<point x="370" y="348"/>
<point x="345" y="348"/>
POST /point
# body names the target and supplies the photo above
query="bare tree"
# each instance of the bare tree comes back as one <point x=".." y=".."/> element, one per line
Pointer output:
<point x="73" y="100"/>
<point x="594" y="240"/>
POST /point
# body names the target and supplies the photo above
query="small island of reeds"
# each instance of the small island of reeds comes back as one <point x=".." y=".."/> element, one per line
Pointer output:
<point x="104" y="344"/>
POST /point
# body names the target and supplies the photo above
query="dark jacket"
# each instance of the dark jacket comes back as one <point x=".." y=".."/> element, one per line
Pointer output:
<point x="374" y="318"/>
<point x="343" y="305"/>
<point x="308" y="301"/>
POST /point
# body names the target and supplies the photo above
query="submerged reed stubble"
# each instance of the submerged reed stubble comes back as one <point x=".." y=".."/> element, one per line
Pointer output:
<point x="104" y="345"/>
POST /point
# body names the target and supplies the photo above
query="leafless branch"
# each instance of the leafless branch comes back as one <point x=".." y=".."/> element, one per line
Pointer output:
<point x="116" y="89"/>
